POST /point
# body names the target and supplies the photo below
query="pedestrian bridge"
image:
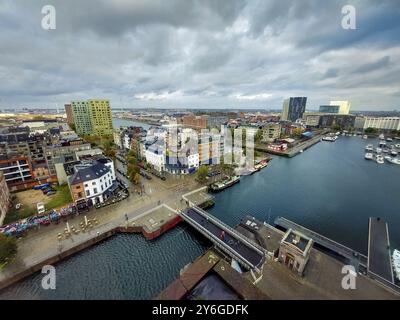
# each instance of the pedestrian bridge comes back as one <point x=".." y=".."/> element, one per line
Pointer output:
<point x="230" y="241"/>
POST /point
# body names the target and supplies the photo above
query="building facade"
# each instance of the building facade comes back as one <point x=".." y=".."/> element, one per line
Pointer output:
<point x="344" y="106"/>
<point x="294" y="251"/>
<point x="328" y="120"/>
<point x="381" y="123"/>
<point x="92" y="117"/>
<point x="92" y="181"/>
<point x="195" y="122"/>
<point x="80" y="111"/>
<point x="271" y="132"/>
<point x="69" y="113"/>
<point x="293" y="108"/>
<point x="5" y="200"/>
<point x="100" y="117"/>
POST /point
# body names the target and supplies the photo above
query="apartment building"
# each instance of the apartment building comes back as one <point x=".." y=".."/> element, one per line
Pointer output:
<point x="100" y="117"/>
<point x="81" y="116"/>
<point x="69" y="113"/>
<point x="271" y="132"/>
<point x="195" y="122"/>
<point x="92" y="181"/>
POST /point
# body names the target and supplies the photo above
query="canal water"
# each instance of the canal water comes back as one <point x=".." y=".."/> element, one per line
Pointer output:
<point x="117" y="123"/>
<point x="329" y="188"/>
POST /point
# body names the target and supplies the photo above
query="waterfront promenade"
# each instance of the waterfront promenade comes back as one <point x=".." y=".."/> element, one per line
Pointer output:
<point x="42" y="246"/>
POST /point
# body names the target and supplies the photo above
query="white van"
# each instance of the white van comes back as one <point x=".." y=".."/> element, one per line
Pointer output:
<point x="40" y="207"/>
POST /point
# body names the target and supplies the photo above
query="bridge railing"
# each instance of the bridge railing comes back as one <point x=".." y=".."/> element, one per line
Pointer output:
<point x="225" y="247"/>
<point x="232" y="231"/>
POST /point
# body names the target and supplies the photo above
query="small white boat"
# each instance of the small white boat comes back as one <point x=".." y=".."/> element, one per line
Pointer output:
<point x="330" y="138"/>
<point x="378" y="150"/>
<point x="365" y="136"/>
<point x="394" y="160"/>
<point x="369" y="147"/>
<point x="380" y="159"/>
<point x="369" y="156"/>
<point x="388" y="158"/>
<point x="382" y="144"/>
<point x="397" y="146"/>
<point x="394" y="153"/>
<point x="389" y="139"/>
<point x="381" y="136"/>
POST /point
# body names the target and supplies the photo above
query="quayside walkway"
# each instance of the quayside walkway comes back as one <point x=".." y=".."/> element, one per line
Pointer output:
<point x="225" y="238"/>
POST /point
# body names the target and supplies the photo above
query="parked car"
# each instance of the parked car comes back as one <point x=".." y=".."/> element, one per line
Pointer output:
<point x="41" y="186"/>
<point x="46" y="191"/>
<point x="51" y="192"/>
<point x="40" y="207"/>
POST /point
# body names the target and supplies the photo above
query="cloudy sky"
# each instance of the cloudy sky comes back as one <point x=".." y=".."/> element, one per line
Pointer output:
<point x="211" y="54"/>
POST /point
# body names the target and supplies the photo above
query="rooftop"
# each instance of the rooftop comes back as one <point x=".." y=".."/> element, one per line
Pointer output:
<point x="87" y="172"/>
<point x="297" y="239"/>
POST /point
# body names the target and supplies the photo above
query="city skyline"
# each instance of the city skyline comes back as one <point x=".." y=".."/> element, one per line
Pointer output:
<point x="239" y="55"/>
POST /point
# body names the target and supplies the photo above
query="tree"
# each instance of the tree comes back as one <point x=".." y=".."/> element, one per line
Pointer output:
<point x="136" y="178"/>
<point x="370" y="130"/>
<point x="8" y="248"/>
<point x="201" y="174"/>
<point x="258" y="136"/>
<point x="132" y="171"/>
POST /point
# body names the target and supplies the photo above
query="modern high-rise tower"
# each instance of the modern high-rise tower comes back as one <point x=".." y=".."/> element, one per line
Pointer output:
<point x="293" y="108"/>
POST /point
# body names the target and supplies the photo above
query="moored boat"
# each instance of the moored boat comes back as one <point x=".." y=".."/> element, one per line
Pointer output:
<point x="221" y="185"/>
<point x="394" y="160"/>
<point x="380" y="159"/>
<point x="369" y="147"/>
<point x="369" y="156"/>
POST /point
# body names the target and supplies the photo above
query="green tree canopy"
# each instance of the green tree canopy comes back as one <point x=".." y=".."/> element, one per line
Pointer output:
<point x="201" y="174"/>
<point x="8" y="248"/>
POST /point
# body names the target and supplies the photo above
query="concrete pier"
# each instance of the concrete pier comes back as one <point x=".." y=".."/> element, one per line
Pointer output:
<point x="379" y="260"/>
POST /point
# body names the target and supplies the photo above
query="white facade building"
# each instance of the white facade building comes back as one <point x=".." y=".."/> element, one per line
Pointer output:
<point x="155" y="156"/>
<point x="96" y="177"/>
<point x="382" y="123"/>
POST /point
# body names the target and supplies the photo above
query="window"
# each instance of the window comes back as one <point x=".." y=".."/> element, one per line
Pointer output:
<point x="95" y="190"/>
<point x="86" y="185"/>
<point x="93" y="183"/>
<point x="88" y="193"/>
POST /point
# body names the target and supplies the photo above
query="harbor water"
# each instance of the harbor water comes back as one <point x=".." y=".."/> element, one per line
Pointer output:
<point x="329" y="188"/>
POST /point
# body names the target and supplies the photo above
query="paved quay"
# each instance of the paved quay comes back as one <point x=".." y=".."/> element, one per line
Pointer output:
<point x="40" y="247"/>
<point x="296" y="149"/>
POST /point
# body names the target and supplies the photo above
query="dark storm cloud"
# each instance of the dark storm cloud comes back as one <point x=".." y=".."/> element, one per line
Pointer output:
<point x="200" y="53"/>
